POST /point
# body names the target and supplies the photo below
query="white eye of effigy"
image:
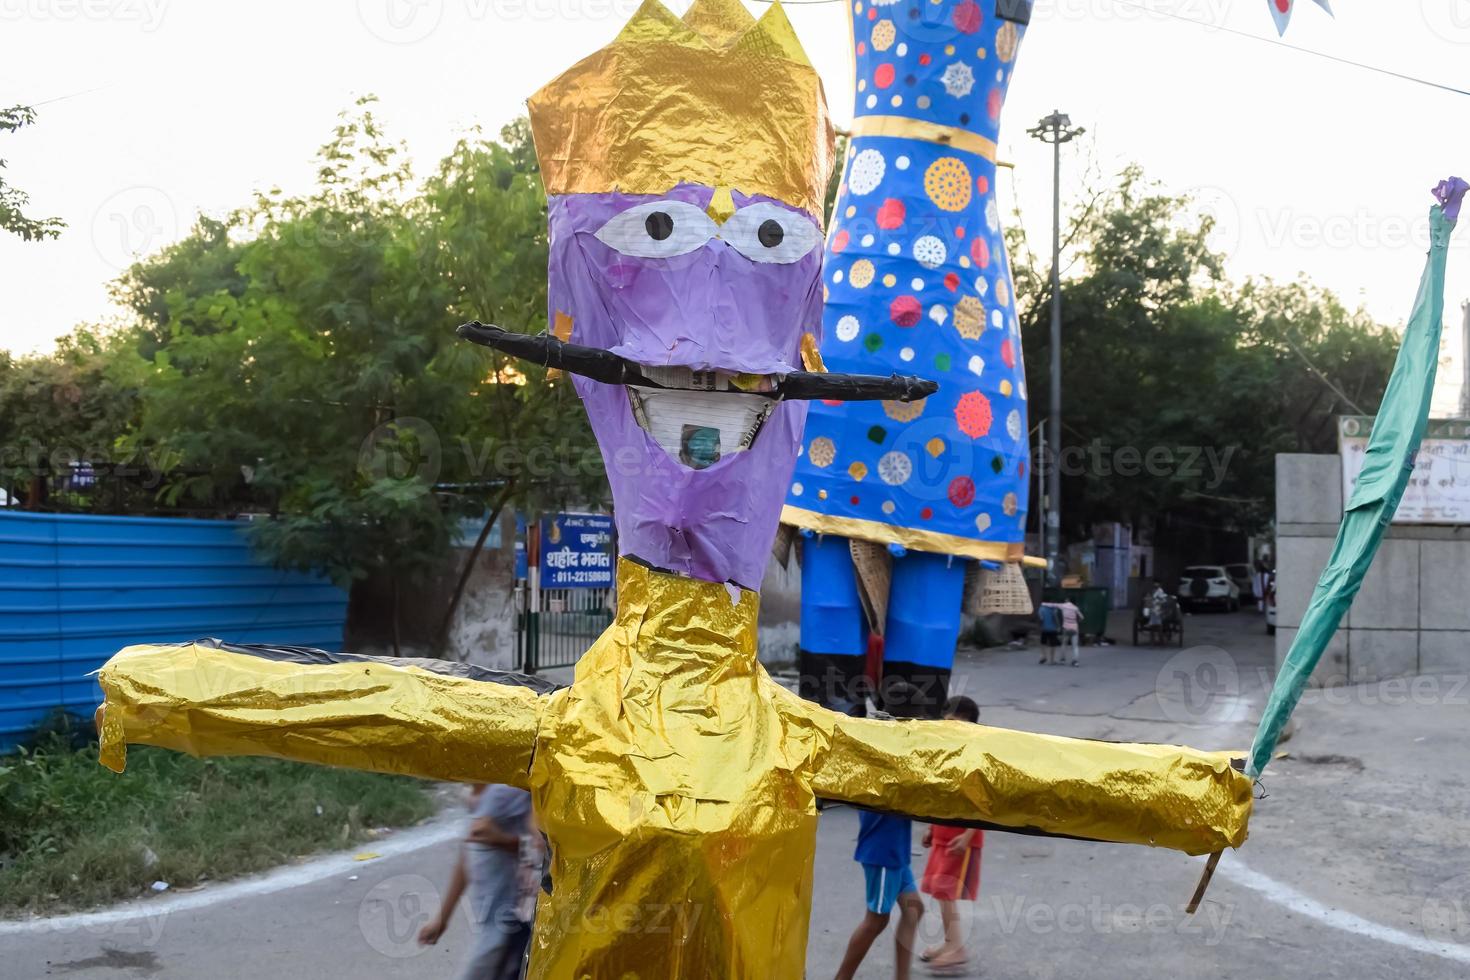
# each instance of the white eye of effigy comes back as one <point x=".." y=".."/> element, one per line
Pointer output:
<point x="658" y="230"/>
<point x="764" y="232"/>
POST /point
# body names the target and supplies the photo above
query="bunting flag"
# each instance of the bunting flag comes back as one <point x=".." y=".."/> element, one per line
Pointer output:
<point x="1397" y="431"/>
<point x="1281" y="10"/>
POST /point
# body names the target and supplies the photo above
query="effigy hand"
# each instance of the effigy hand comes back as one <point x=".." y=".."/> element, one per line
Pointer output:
<point x="423" y="718"/>
<point x="993" y="778"/>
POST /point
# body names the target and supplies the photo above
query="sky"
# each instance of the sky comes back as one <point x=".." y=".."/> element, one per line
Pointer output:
<point x="154" y="110"/>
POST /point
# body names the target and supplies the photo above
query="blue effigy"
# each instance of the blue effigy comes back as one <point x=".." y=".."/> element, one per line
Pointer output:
<point x="917" y="282"/>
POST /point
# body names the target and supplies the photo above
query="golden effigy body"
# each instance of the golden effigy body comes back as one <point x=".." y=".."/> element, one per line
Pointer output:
<point x="678" y="785"/>
<point x="679" y="793"/>
<point x="676" y="782"/>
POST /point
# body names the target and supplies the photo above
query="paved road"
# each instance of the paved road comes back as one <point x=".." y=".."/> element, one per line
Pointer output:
<point x="1357" y="865"/>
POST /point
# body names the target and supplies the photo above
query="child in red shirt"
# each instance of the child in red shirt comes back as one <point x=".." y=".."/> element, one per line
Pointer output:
<point x="953" y="871"/>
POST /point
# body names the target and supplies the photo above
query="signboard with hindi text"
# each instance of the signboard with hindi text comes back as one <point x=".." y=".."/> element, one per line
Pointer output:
<point x="577" y="551"/>
<point x="1439" y="489"/>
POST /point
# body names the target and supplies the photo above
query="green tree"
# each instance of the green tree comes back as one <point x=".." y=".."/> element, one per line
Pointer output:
<point x="1162" y="355"/>
<point x="205" y="262"/>
<point x="834" y="180"/>
<point x="12" y="199"/>
<point x="64" y="408"/>
<point x="300" y="358"/>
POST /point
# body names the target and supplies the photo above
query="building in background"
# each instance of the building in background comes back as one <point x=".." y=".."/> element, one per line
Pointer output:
<point x="1410" y="616"/>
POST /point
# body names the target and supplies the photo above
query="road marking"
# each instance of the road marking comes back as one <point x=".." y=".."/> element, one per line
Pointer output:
<point x="444" y="829"/>
<point x="437" y="831"/>
<point x="1284" y="895"/>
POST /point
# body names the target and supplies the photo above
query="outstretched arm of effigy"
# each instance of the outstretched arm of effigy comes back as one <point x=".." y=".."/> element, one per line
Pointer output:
<point x="1161" y="795"/>
<point x="415" y="717"/>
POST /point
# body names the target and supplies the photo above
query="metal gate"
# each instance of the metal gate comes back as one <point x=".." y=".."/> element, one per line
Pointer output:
<point x="554" y="627"/>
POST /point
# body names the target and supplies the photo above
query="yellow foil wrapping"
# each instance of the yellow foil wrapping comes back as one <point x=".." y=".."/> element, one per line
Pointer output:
<point x="677" y="783"/>
<point x="914" y="539"/>
<point x="675" y="780"/>
<point x="716" y="98"/>
<point x="362" y="714"/>
<point x="681" y="815"/>
<point x="1161" y="795"/>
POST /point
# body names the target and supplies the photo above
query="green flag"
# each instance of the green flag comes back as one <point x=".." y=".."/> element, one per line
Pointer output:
<point x="1397" y="431"/>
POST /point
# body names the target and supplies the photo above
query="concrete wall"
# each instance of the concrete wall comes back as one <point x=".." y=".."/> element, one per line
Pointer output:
<point x="1412" y="614"/>
<point x="779" y="627"/>
<point x="483" y="630"/>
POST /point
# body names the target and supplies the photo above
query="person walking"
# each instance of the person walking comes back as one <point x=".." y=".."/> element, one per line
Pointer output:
<point x="1071" y="630"/>
<point x="490" y="864"/>
<point x="952" y="873"/>
<point x="884" y="850"/>
<point x="1051" y="631"/>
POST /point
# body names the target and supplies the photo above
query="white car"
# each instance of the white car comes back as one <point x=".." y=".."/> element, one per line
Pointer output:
<point x="1208" y="585"/>
<point x="1244" y="579"/>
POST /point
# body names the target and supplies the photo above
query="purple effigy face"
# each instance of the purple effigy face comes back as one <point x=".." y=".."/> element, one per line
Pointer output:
<point x="713" y="313"/>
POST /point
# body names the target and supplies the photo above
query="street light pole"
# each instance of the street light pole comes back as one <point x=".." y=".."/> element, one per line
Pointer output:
<point x="1055" y="129"/>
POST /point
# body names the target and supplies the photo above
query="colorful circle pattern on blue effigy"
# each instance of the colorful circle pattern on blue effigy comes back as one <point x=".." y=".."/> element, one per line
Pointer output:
<point x="918" y="283"/>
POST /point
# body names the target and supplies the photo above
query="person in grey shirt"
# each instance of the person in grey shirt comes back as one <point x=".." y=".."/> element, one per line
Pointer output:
<point x="489" y="863"/>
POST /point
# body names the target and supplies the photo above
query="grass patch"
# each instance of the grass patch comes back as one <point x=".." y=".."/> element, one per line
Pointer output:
<point x="73" y="834"/>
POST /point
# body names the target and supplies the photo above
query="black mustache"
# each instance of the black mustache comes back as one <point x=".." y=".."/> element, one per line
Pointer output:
<point x="609" y="368"/>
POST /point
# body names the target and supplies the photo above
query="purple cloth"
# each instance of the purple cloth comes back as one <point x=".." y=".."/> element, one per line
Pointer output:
<point x="711" y="308"/>
<point x="1451" y="194"/>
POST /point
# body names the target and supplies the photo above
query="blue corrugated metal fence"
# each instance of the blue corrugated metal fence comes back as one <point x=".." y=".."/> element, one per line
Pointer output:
<point x="75" y="589"/>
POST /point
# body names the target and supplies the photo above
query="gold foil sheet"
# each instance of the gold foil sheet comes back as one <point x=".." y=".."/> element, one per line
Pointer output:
<point x="362" y="714"/>
<point x="716" y="98"/>
<point x="675" y="801"/>
<point x="1159" y="795"/>
<point x="911" y="538"/>
<point x="675" y="780"/>
<point x="905" y="127"/>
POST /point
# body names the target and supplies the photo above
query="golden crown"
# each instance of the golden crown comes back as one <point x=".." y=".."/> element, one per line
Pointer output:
<point x="715" y="98"/>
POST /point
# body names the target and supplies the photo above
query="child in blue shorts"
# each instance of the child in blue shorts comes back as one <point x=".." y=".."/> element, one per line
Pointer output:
<point x="884" y="846"/>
